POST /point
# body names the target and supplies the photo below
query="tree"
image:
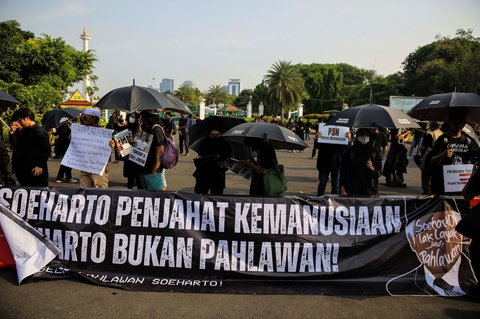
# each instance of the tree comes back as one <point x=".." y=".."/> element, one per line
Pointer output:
<point x="243" y="98"/>
<point x="260" y="95"/>
<point x="37" y="71"/>
<point x="186" y="94"/>
<point x="216" y="95"/>
<point x="286" y="86"/>
<point x="444" y="65"/>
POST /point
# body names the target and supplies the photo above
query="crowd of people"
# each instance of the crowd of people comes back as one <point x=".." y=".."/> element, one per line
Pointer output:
<point x="352" y="169"/>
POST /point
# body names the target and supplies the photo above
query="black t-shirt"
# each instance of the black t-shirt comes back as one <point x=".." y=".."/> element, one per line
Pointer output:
<point x="158" y="139"/>
<point x="380" y="141"/>
<point x="462" y="147"/>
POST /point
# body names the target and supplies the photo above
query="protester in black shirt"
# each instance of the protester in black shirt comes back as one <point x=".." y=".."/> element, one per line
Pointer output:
<point x="451" y="148"/>
<point x="210" y="166"/>
<point x="31" y="149"/>
<point x="183" y="139"/>
<point x="359" y="168"/>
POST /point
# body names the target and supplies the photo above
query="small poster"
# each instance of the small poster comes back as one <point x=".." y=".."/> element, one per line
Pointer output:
<point x="455" y="177"/>
<point x="333" y="134"/>
<point x="141" y="146"/>
<point x="122" y="142"/>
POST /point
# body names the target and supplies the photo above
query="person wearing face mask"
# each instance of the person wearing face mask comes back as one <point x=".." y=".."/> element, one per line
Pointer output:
<point x="210" y="165"/>
<point x="130" y="169"/>
<point x="359" y="167"/>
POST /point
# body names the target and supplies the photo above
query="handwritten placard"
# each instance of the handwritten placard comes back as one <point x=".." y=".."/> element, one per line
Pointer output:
<point x="333" y="134"/>
<point x="89" y="149"/>
<point x="456" y="177"/>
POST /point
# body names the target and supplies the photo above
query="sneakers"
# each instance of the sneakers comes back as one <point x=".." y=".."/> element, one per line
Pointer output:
<point x="59" y="181"/>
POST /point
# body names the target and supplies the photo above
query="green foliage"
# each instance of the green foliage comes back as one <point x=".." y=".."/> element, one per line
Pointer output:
<point x="286" y="86"/>
<point x="444" y="65"/>
<point x="186" y="94"/>
<point x="243" y="98"/>
<point x="216" y="95"/>
<point x="37" y="71"/>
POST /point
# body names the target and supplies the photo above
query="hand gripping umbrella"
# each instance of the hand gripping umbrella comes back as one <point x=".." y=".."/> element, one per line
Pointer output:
<point x="438" y="106"/>
<point x="277" y="136"/>
<point x="371" y="116"/>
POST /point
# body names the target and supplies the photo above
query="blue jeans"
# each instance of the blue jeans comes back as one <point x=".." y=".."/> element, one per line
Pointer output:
<point x="323" y="179"/>
<point x="416" y="142"/>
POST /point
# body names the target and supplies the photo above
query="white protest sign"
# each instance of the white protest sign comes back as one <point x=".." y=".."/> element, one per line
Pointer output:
<point x="455" y="177"/>
<point x="141" y="147"/>
<point x="333" y="134"/>
<point x="89" y="149"/>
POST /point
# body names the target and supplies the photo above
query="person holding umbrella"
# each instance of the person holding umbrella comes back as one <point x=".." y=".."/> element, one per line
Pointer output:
<point x="266" y="160"/>
<point x="359" y="167"/>
<point x="210" y="166"/>
<point x="451" y="148"/>
<point x="151" y="173"/>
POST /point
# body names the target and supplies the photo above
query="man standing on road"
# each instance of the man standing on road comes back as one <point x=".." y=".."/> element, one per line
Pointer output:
<point x="91" y="117"/>
<point x="31" y="149"/>
<point x="183" y="134"/>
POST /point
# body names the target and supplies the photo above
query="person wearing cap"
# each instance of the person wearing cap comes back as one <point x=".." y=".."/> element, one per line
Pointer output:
<point x="91" y="117"/>
<point x="31" y="149"/>
<point x="359" y="167"/>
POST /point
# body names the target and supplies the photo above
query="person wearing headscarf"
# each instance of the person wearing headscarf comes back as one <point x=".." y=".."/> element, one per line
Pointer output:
<point x="210" y="165"/>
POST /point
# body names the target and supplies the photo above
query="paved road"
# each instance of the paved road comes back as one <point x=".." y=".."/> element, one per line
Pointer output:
<point x="73" y="299"/>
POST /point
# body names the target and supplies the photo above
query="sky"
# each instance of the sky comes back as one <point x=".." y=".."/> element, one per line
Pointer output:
<point x="211" y="41"/>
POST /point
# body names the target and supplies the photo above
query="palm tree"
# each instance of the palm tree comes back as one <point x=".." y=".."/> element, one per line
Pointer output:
<point x="285" y="84"/>
<point x="186" y="94"/>
<point x="216" y="94"/>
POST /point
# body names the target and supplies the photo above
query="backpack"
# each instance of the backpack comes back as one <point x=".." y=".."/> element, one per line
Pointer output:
<point x="170" y="153"/>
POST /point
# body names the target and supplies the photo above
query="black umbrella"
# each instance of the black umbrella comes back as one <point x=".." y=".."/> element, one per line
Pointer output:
<point x="372" y="115"/>
<point x="239" y="151"/>
<point x="438" y="106"/>
<point x="220" y="123"/>
<point x="468" y="130"/>
<point x="137" y="98"/>
<point x="277" y="136"/>
<point x="58" y="117"/>
<point x="178" y="105"/>
<point x="7" y="101"/>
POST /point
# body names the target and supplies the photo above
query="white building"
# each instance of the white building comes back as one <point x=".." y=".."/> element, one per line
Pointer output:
<point x="167" y="85"/>
<point x="234" y="87"/>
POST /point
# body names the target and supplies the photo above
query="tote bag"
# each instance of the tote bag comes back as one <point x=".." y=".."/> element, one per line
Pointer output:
<point x="275" y="182"/>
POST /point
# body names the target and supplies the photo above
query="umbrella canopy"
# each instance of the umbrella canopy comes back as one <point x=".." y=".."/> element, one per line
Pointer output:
<point x="58" y="117"/>
<point x="372" y="115"/>
<point x="277" y="136"/>
<point x="7" y="101"/>
<point x="137" y="98"/>
<point x="178" y="105"/>
<point x="220" y="123"/>
<point x="438" y="106"/>
<point x="468" y="130"/>
<point x="239" y="151"/>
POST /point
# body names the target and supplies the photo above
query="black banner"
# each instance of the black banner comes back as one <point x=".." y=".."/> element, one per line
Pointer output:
<point x="161" y="241"/>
